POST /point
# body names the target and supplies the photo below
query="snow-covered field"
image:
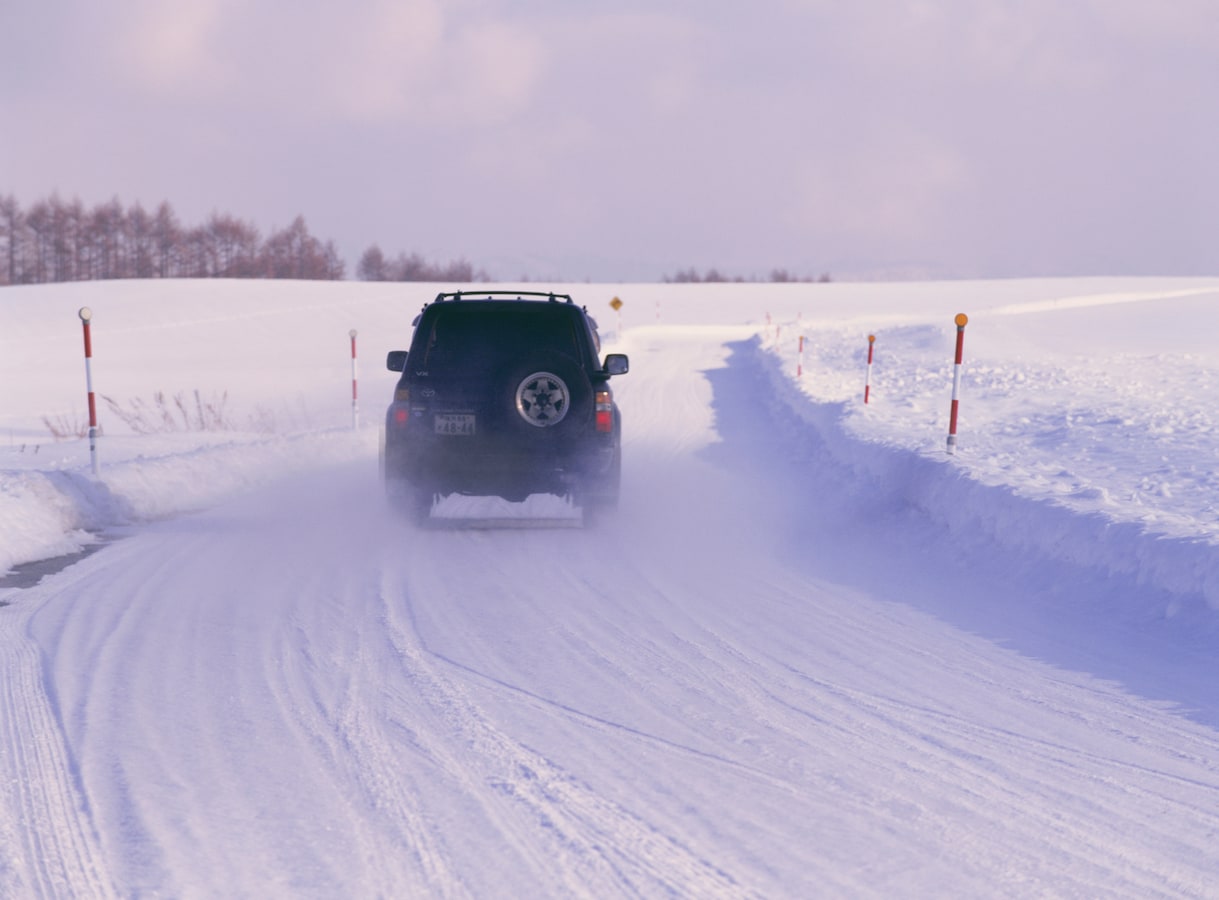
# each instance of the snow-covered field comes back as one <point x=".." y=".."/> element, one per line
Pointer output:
<point x="813" y="655"/>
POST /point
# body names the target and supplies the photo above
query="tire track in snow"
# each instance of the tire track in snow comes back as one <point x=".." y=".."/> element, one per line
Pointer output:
<point x="938" y="744"/>
<point x="881" y="752"/>
<point x="369" y="742"/>
<point x="575" y="841"/>
<point x="50" y="848"/>
<point x="232" y="738"/>
<point x="897" y="709"/>
<point x="425" y="715"/>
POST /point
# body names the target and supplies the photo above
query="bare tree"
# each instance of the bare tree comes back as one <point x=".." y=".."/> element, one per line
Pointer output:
<point x="167" y="237"/>
<point x="38" y="221"/>
<point x="333" y="266"/>
<point x="293" y="252"/>
<point x="143" y="243"/>
<point x="372" y="265"/>
<point x="107" y="232"/>
<point x="65" y="238"/>
<point x="11" y="224"/>
<point x="236" y="247"/>
<point x="197" y="254"/>
<point x="286" y="250"/>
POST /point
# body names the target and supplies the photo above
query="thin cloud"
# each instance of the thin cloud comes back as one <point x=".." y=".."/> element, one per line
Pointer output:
<point x="169" y="49"/>
<point x="389" y="61"/>
<point x="979" y="137"/>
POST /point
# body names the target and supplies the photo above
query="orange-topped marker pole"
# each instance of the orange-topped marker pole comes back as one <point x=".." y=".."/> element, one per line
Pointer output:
<point x="961" y="321"/>
<point x="355" y="388"/>
<point x="867" y="382"/>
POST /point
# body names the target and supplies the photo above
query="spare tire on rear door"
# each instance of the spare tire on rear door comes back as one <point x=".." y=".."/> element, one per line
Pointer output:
<point x="547" y="394"/>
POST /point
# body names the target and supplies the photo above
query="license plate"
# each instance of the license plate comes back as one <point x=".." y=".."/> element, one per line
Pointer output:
<point x="455" y="423"/>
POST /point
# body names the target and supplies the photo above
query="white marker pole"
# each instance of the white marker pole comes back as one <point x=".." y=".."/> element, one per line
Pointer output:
<point x="355" y="393"/>
<point x="961" y="321"/>
<point x="800" y="358"/>
<point x="86" y="315"/>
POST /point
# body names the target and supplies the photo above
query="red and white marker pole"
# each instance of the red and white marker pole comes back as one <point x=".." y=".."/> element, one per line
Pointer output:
<point x="961" y="321"/>
<point x="800" y="359"/>
<point x="86" y="315"/>
<point x="867" y="382"/>
<point x="355" y="392"/>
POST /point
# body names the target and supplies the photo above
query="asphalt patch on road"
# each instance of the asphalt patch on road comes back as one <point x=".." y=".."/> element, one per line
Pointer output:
<point x="27" y="575"/>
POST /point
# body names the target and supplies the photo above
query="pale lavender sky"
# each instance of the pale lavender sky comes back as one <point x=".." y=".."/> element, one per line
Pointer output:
<point x="626" y="140"/>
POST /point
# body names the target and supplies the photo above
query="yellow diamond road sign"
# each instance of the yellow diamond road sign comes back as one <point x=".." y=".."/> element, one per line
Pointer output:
<point x="616" y="304"/>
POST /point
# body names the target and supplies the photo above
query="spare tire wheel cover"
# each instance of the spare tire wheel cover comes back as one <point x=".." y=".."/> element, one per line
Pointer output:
<point x="542" y="399"/>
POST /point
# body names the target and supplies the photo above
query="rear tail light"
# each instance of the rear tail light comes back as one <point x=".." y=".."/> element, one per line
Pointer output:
<point x="402" y="411"/>
<point x="604" y="411"/>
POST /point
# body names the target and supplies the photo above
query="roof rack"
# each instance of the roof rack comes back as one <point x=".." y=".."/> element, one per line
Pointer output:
<point x="452" y="296"/>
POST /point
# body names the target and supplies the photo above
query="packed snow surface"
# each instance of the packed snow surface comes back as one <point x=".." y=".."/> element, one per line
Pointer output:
<point x="813" y="654"/>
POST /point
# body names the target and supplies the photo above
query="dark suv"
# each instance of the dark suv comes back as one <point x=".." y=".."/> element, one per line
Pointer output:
<point x="503" y="394"/>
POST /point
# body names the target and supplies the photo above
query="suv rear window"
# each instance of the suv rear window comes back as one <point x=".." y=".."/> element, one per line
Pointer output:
<point x="469" y="335"/>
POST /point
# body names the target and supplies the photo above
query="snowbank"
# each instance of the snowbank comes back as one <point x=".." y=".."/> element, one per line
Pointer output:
<point x="55" y="511"/>
<point x="1169" y="550"/>
<point x="1084" y="432"/>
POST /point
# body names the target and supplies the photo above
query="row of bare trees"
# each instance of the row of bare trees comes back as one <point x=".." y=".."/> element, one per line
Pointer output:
<point x="57" y="240"/>
<point x="714" y="276"/>
<point x="375" y="266"/>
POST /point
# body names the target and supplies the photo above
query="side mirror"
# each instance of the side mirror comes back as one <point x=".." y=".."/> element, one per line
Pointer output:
<point x="617" y="364"/>
<point x="396" y="361"/>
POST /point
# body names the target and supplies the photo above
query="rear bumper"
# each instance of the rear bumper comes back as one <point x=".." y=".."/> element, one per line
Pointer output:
<point x="510" y="468"/>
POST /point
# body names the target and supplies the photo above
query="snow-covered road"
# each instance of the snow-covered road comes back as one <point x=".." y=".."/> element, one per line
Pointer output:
<point x="758" y="680"/>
